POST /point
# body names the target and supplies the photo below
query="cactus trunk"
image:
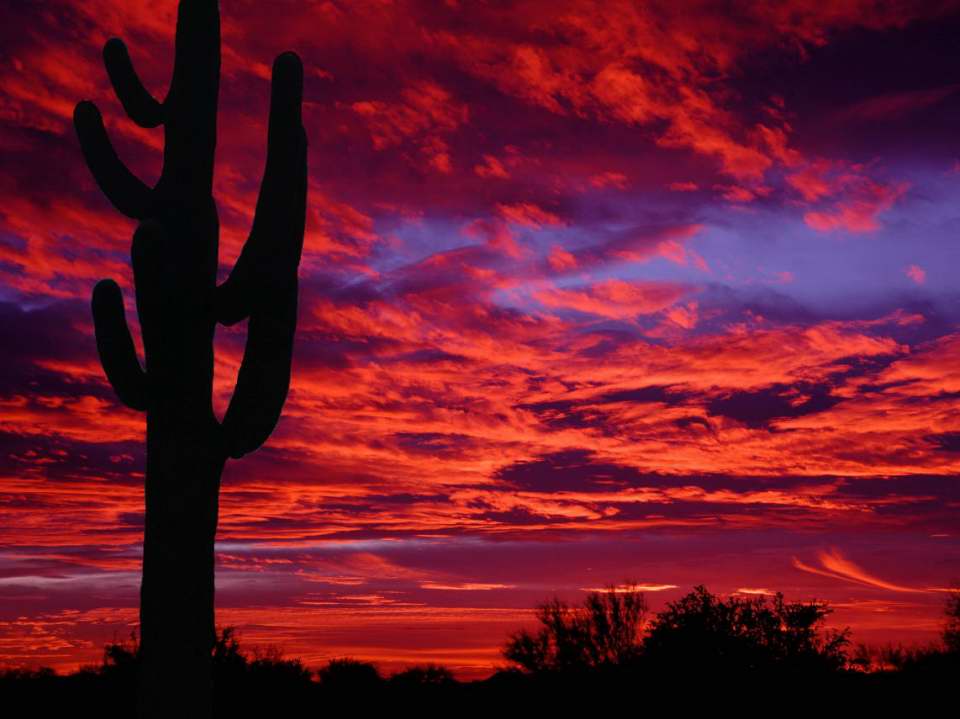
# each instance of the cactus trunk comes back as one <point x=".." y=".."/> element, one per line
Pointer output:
<point x="174" y="257"/>
<point x="177" y="631"/>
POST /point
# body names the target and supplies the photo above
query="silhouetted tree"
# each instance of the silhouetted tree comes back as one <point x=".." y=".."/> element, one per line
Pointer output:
<point x="428" y="675"/>
<point x="349" y="675"/>
<point x="712" y="643"/>
<point x="939" y="657"/>
<point x="703" y="632"/>
<point x="179" y="304"/>
<point x="271" y="664"/>
<point x="605" y="631"/>
<point x="122" y="656"/>
<point x="226" y="653"/>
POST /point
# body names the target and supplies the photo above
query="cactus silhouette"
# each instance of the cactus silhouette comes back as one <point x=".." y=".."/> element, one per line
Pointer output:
<point x="174" y="257"/>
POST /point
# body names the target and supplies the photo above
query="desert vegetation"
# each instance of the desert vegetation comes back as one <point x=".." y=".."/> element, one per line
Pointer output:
<point x="703" y="648"/>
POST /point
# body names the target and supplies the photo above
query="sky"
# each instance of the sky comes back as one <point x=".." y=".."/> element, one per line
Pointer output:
<point x="592" y="292"/>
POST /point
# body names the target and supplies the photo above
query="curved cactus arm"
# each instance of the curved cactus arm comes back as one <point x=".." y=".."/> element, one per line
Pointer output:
<point x="276" y="238"/>
<point x="263" y="285"/>
<point x="140" y="105"/>
<point x="115" y="346"/>
<point x="125" y="190"/>
<point x="264" y="376"/>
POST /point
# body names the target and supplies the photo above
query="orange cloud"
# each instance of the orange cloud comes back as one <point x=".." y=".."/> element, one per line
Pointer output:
<point x="465" y="586"/>
<point x="624" y="588"/>
<point x="757" y="591"/>
<point x="836" y="566"/>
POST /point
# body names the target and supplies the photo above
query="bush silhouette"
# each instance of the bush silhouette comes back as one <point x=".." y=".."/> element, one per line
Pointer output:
<point x="245" y="684"/>
<point x="937" y="658"/>
<point x="703" y="631"/>
<point x="349" y="675"/>
<point x="606" y="631"/>
<point x="700" y="632"/>
<point x="701" y="651"/>
<point x="428" y="675"/>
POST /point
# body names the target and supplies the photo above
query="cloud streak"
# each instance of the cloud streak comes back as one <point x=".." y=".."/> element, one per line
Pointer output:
<point x="836" y="566"/>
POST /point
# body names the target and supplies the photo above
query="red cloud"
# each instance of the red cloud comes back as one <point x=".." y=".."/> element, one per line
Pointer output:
<point x="609" y="179"/>
<point x="423" y="108"/>
<point x="528" y="215"/>
<point x="858" y="211"/>
<point x="615" y="299"/>
<point x="854" y="200"/>
<point x="425" y="113"/>
<point x="896" y="104"/>
<point x="916" y="273"/>
<point x="491" y="168"/>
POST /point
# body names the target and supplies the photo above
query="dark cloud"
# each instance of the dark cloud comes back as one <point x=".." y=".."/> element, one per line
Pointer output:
<point x="570" y="471"/>
<point x="39" y="345"/>
<point x="758" y="409"/>
<point x="947" y="441"/>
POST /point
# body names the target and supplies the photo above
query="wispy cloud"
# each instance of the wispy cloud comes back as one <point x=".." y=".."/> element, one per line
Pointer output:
<point x="625" y="588"/>
<point x="836" y="566"/>
<point x="465" y="586"/>
<point x="759" y="591"/>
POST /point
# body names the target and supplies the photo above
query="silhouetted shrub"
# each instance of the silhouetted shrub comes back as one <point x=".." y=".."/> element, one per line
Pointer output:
<point x="605" y="631"/>
<point x="700" y="632"/>
<point x="705" y="632"/>
<point x="894" y="657"/>
<point x="244" y="685"/>
<point x="23" y="674"/>
<point x="693" y="652"/>
<point x="270" y="664"/>
<point x="428" y="675"/>
<point x="226" y="652"/>
<point x="939" y="658"/>
<point x="348" y="674"/>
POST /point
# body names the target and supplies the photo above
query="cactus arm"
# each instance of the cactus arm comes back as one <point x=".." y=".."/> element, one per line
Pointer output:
<point x="115" y="346"/>
<point x="276" y="238"/>
<point x="139" y="104"/>
<point x="264" y="376"/>
<point x="266" y="286"/>
<point x="125" y="191"/>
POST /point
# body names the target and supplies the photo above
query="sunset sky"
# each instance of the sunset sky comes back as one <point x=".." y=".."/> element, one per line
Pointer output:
<point x="591" y="292"/>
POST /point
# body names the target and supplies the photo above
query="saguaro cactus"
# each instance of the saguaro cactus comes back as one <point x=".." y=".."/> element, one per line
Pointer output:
<point x="174" y="256"/>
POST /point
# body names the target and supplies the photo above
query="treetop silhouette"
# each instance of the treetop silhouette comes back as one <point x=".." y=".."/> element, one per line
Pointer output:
<point x="606" y="631"/>
<point x="700" y="632"/>
<point x="737" y="633"/>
